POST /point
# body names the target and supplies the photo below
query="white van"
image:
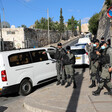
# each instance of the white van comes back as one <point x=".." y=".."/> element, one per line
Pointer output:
<point x="22" y="69"/>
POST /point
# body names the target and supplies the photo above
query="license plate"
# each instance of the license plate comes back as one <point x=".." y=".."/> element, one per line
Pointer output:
<point x="78" y="57"/>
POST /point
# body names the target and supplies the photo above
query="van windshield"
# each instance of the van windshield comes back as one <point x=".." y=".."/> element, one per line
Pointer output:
<point x="78" y="51"/>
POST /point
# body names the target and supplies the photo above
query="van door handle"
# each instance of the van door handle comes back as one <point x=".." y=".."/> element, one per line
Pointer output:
<point x="47" y="63"/>
<point x="53" y="62"/>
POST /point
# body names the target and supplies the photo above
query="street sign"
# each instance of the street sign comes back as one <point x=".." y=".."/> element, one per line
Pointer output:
<point x="109" y="12"/>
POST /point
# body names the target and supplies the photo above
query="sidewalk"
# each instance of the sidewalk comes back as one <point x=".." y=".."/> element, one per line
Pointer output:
<point x="61" y="99"/>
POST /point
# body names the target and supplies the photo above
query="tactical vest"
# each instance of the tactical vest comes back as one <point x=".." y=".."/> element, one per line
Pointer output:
<point x="105" y="58"/>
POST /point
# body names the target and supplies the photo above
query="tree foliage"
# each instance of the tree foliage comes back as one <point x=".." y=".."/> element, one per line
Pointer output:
<point x="72" y="24"/>
<point x="23" y="26"/>
<point x="61" y="24"/>
<point x="79" y="26"/>
<point x="43" y="24"/>
<point x="93" y="23"/>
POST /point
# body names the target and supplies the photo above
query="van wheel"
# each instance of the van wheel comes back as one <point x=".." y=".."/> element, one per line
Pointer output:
<point x="25" y="87"/>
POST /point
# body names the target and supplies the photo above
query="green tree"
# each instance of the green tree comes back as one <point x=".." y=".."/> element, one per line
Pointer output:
<point x="80" y="26"/>
<point x="61" y="24"/>
<point x="24" y="26"/>
<point x="72" y="24"/>
<point x="93" y="23"/>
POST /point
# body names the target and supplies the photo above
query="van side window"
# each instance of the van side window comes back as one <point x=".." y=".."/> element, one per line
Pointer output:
<point x="38" y="56"/>
<point x="19" y="59"/>
<point x="51" y="53"/>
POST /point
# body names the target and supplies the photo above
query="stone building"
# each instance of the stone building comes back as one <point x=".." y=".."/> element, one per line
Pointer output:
<point x="29" y="37"/>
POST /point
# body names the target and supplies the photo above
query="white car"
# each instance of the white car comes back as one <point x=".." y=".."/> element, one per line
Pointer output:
<point x="81" y="54"/>
<point x="84" y="40"/>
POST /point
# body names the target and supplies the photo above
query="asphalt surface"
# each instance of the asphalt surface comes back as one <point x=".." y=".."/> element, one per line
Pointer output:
<point x="13" y="97"/>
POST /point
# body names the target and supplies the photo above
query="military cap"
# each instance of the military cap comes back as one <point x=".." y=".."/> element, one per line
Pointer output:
<point x="59" y="44"/>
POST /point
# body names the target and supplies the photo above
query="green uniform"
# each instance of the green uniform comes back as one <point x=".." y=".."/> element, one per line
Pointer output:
<point x="59" y="53"/>
<point x="69" y="70"/>
<point x="94" y="66"/>
<point x="105" y="75"/>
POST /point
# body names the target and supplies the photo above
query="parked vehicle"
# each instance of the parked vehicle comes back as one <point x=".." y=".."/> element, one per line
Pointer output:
<point x="22" y="69"/>
<point x="84" y="40"/>
<point x="81" y="54"/>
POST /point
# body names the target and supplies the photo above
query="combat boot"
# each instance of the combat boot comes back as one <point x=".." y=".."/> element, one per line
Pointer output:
<point x="68" y="84"/>
<point x="63" y="82"/>
<point x="74" y="84"/>
<point x="58" y="83"/>
<point x="93" y="84"/>
<point x="109" y="91"/>
<point x="97" y="92"/>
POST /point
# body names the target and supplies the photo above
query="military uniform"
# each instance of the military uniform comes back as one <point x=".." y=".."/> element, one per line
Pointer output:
<point x="59" y="64"/>
<point x="105" y="77"/>
<point x="69" y="70"/>
<point x="59" y="53"/>
<point x="94" y="66"/>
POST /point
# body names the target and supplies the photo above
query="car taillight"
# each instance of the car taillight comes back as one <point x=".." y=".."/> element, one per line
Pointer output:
<point x="4" y="76"/>
<point x="86" y="53"/>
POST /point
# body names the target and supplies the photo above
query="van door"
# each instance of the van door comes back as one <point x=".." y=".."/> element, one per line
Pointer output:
<point x="20" y="67"/>
<point x="41" y="65"/>
<point x="51" y="54"/>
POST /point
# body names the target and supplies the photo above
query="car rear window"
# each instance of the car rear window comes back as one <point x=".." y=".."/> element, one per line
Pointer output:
<point x="78" y="51"/>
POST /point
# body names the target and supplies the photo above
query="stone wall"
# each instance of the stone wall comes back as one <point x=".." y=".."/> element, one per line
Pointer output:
<point x="36" y="37"/>
<point x="104" y="25"/>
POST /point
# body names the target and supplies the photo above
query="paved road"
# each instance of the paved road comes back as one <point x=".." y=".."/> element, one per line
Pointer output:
<point x="13" y="97"/>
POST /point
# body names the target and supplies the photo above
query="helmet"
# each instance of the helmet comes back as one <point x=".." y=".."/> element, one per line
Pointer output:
<point x="68" y="48"/>
<point x="96" y="41"/>
<point x="59" y="44"/>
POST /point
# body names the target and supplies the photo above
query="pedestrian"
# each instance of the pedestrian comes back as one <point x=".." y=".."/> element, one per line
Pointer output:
<point x="69" y="62"/>
<point x="106" y="63"/>
<point x="94" y="63"/>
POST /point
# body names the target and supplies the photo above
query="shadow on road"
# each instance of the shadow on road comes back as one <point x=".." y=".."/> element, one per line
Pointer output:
<point x="73" y="103"/>
<point x="2" y="108"/>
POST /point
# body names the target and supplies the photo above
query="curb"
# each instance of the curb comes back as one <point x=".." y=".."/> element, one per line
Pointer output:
<point x="34" y="109"/>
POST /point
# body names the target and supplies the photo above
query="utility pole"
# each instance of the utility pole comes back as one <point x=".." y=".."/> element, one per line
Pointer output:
<point x="3" y="14"/>
<point x="48" y="26"/>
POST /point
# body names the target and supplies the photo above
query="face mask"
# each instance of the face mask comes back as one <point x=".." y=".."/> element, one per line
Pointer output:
<point x="102" y="47"/>
<point x="94" y="45"/>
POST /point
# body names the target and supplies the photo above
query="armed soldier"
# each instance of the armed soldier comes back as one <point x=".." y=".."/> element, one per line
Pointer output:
<point x="106" y="63"/>
<point x="69" y="61"/>
<point x="59" y="53"/>
<point x="94" y="63"/>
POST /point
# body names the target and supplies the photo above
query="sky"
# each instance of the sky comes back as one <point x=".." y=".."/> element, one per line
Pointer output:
<point x="19" y="12"/>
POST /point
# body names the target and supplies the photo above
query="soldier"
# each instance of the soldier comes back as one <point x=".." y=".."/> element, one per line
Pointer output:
<point x="94" y="63"/>
<point x="106" y="63"/>
<point x="102" y="41"/>
<point x="59" y="53"/>
<point x="69" y="61"/>
<point x="108" y="43"/>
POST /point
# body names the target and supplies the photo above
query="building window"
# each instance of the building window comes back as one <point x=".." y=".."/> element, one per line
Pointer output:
<point x="10" y="32"/>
